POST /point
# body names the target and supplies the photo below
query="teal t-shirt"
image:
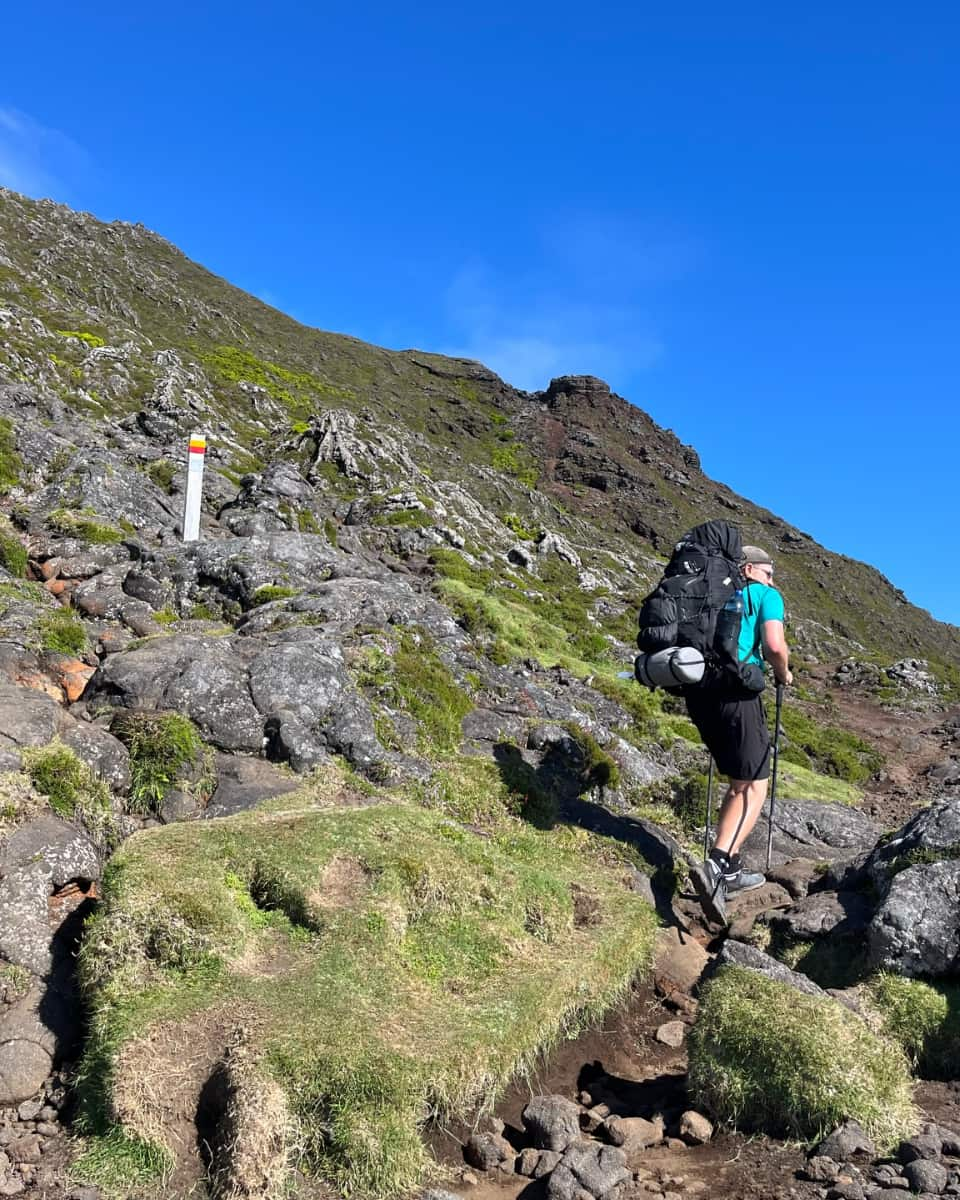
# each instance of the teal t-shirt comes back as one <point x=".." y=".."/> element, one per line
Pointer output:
<point x="760" y="603"/>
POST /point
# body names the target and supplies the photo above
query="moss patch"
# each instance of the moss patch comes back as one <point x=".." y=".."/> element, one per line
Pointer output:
<point x="599" y="769"/>
<point x="765" y="1057"/>
<point x="445" y="966"/>
<point x="270" y="592"/>
<point x="413" y="679"/>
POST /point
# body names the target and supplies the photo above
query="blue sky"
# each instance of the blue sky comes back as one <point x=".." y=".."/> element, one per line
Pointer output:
<point x="743" y="217"/>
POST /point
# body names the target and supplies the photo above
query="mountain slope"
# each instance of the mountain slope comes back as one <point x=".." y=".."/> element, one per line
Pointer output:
<point x="362" y="751"/>
<point x="575" y="457"/>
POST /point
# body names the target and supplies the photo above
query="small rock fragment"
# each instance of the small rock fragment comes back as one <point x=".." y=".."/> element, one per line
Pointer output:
<point x="548" y="1160"/>
<point x="672" y="1033"/>
<point x="821" y="1169"/>
<point x="695" y="1128"/>
<point x="634" y="1133"/>
<point x="485" y="1151"/>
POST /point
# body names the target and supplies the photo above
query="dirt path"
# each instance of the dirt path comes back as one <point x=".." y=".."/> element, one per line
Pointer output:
<point x="904" y="737"/>
<point x="626" y="1066"/>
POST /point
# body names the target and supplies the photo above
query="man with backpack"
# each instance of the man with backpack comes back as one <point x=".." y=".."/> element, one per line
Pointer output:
<point x="735" y="732"/>
<point x="705" y="631"/>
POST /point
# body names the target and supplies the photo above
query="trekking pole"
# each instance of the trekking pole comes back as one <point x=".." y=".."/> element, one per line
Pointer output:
<point x="706" y="828"/>
<point x="773" y="782"/>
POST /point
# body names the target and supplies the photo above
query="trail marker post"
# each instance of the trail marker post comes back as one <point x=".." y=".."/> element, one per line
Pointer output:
<point x="191" y="504"/>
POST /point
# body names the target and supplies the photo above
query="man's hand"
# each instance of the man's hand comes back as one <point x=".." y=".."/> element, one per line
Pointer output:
<point x="787" y="680"/>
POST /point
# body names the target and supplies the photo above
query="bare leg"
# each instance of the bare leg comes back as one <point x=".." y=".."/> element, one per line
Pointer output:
<point x="738" y="813"/>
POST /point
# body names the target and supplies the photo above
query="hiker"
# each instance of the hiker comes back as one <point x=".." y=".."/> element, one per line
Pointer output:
<point x="735" y="732"/>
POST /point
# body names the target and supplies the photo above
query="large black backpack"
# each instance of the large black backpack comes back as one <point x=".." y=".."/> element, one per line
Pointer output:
<point x="701" y="576"/>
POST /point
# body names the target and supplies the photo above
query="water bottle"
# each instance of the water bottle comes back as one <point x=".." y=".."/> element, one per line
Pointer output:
<point x="728" y="625"/>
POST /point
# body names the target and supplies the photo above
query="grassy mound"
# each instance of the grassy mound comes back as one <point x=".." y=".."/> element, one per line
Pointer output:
<point x="923" y="1018"/>
<point x="377" y="965"/>
<point x="768" y="1058"/>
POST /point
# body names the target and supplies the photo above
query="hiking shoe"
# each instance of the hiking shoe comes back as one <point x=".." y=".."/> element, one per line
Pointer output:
<point x="708" y="883"/>
<point x="736" y="879"/>
<point x="742" y="881"/>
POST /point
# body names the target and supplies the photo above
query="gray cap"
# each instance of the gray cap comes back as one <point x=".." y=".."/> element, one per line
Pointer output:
<point x="753" y="554"/>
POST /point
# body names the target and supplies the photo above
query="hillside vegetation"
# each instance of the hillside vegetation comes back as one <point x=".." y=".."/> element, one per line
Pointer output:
<point x="344" y="810"/>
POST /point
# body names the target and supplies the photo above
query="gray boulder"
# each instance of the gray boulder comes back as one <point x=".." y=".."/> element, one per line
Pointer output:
<point x="104" y="754"/>
<point x="286" y="692"/>
<point x="552" y="1121"/>
<point x="846" y="1141"/>
<point x="933" y="833"/>
<point x="237" y="567"/>
<point x="38" y="859"/>
<point x="29" y="717"/>
<point x="27" y="1048"/>
<point x="203" y="677"/>
<point x="924" y="1175"/>
<point x="739" y="954"/>
<point x="916" y="930"/>
<point x="587" y="1167"/>
<point x="923" y="1145"/>
<point x="486" y="1151"/>
<point x="809" y="829"/>
<point x="243" y="783"/>
<point x="36" y="1031"/>
<point x="823" y="913"/>
<point x="371" y="598"/>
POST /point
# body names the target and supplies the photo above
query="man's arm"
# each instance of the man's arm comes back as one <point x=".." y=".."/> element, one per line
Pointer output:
<point x="776" y="651"/>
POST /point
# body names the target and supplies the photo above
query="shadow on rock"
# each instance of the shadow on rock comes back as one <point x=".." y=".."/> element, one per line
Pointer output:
<point x="552" y="793"/>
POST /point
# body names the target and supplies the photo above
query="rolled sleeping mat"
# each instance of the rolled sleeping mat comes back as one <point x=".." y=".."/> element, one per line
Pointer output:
<point x="677" y="666"/>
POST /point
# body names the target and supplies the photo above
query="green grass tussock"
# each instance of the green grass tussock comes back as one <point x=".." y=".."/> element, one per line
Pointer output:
<point x="166" y="750"/>
<point x="72" y="790"/>
<point x="765" y="1057"/>
<point x="11" y="464"/>
<point x="89" y="339"/>
<point x="923" y="1017"/>
<point x="826" y="749"/>
<point x="83" y="526"/>
<point x="119" y="1164"/>
<point x="412" y="678"/>
<point x="162" y="472"/>
<point x="62" y="631"/>
<point x="393" y="962"/>
<point x="13" y="554"/>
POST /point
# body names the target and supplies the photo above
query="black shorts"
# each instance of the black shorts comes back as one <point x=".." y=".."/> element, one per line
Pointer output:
<point x="734" y="731"/>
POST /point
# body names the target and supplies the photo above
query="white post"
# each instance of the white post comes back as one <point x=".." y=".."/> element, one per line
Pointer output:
<point x="191" y="505"/>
